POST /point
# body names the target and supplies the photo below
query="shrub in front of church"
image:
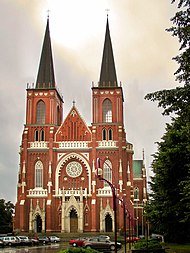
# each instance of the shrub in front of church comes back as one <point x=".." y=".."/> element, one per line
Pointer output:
<point x="150" y="244"/>
<point x="78" y="250"/>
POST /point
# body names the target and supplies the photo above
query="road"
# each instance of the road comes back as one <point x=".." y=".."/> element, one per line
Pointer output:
<point x="34" y="249"/>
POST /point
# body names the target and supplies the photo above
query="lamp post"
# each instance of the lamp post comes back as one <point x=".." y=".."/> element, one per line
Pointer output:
<point x="129" y="217"/>
<point x="124" y="221"/>
<point x="99" y="175"/>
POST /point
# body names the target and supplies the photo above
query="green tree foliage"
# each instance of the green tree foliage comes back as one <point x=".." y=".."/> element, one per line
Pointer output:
<point x="169" y="208"/>
<point x="181" y="29"/>
<point x="6" y="213"/>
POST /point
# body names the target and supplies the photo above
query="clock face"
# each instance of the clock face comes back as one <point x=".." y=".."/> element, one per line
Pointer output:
<point x="74" y="169"/>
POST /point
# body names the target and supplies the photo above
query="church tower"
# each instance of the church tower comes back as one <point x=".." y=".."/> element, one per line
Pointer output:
<point x="109" y="139"/>
<point x="43" y="117"/>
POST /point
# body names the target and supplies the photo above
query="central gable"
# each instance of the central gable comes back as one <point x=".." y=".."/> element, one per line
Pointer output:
<point x="73" y="128"/>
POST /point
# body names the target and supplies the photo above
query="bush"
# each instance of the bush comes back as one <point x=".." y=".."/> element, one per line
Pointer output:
<point x="150" y="244"/>
<point x="78" y="250"/>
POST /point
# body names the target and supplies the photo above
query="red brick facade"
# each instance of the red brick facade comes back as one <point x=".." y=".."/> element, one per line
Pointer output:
<point x="58" y="189"/>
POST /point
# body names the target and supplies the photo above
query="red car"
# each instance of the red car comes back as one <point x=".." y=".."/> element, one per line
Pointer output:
<point x="77" y="242"/>
<point x="132" y="239"/>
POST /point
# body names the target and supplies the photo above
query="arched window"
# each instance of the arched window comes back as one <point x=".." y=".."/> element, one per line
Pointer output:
<point x="38" y="174"/>
<point x="136" y="193"/>
<point x="40" y="112"/>
<point x="104" y="134"/>
<point x="107" y="111"/>
<point x="107" y="170"/>
<point x="86" y="217"/>
<point x="110" y="134"/>
<point x="42" y="135"/>
<point x="58" y="116"/>
<point x="36" y="135"/>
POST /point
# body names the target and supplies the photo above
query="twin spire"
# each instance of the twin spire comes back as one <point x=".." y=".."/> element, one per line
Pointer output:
<point x="46" y="77"/>
<point x="108" y="76"/>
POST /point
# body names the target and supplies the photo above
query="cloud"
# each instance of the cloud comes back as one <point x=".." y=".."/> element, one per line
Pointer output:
<point x="142" y="50"/>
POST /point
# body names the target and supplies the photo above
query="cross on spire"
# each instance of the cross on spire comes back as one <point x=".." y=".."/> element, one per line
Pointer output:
<point x="48" y="11"/>
<point x="107" y="10"/>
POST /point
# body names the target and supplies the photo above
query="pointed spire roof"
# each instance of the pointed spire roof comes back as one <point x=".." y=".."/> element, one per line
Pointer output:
<point x="46" y="78"/>
<point x="108" y="76"/>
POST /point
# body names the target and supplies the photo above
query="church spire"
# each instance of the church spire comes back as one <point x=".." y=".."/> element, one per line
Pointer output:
<point x="46" y="78"/>
<point x="108" y="76"/>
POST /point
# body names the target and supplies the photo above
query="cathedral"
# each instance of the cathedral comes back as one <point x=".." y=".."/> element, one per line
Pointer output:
<point x="71" y="174"/>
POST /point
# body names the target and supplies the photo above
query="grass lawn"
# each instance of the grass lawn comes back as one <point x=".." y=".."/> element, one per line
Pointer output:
<point x="179" y="248"/>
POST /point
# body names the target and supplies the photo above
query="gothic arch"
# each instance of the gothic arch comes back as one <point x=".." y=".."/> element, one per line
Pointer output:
<point x="39" y="174"/>
<point x="107" y="110"/>
<point x="104" y="134"/>
<point x="37" y="219"/>
<point x="107" y="168"/>
<point x="108" y="223"/>
<point x="73" y="221"/>
<point x="40" y="112"/>
<point x="72" y="204"/>
<point x="36" y="137"/>
<point x="77" y="207"/>
<point x="103" y="214"/>
<point x="110" y="134"/>
<point x="38" y="223"/>
<point x="58" y="116"/>
<point x="64" y="160"/>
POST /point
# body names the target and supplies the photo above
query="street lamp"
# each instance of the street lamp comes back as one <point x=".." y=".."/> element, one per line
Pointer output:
<point x="99" y="175"/>
<point x="129" y="217"/>
<point x="124" y="220"/>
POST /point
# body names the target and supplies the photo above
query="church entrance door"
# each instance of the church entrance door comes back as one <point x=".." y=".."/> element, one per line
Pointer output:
<point x="108" y="223"/>
<point x="73" y="221"/>
<point x="38" y="222"/>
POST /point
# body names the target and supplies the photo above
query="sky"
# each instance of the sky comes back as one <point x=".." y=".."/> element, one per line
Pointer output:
<point x="143" y="52"/>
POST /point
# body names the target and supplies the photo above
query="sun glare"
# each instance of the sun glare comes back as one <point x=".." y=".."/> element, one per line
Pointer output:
<point x="71" y="22"/>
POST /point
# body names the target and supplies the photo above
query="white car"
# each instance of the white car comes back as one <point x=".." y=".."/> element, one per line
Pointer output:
<point x="54" y="238"/>
<point x="24" y="240"/>
<point x="10" y="240"/>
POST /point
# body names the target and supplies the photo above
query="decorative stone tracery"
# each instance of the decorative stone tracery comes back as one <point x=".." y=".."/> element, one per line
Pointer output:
<point x="67" y="206"/>
<point x="34" y="212"/>
<point x="63" y="161"/>
<point x="103" y="214"/>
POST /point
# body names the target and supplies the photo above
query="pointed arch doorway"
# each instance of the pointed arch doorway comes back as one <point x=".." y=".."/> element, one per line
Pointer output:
<point x="38" y="223"/>
<point x="108" y="223"/>
<point x="73" y="221"/>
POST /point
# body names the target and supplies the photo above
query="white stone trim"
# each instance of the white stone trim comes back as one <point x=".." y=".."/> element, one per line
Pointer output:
<point x="63" y="160"/>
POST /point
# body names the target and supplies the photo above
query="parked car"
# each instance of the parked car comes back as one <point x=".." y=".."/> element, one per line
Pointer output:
<point x="132" y="239"/>
<point x="157" y="237"/>
<point x="54" y="238"/>
<point x="24" y="240"/>
<point x="100" y="244"/>
<point x="1" y="243"/>
<point x="78" y="242"/>
<point x="43" y="239"/>
<point x="106" y="237"/>
<point x="10" y="240"/>
<point x="34" y="240"/>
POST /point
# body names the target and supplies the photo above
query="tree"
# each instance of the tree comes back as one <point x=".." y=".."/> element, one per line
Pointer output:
<point x="169" y="208"/>
<point x="6" y="213"/>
